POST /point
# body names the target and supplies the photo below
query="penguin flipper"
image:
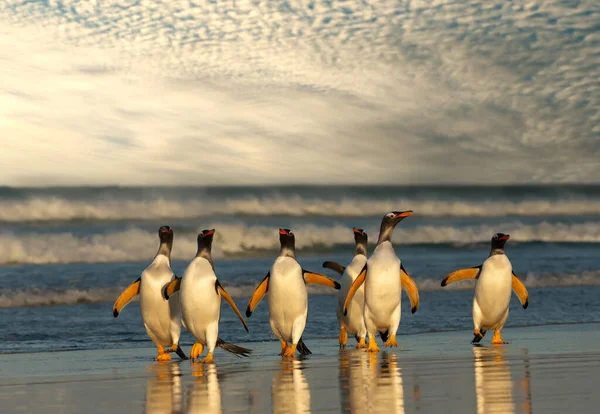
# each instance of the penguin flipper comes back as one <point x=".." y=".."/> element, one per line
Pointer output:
<point x="172" y="287"/>
<point x="411" y="288"/>
<point x="220" y="290"/>
<point x="259" y="293"/>
<point x="467" y="273"/>
<point x="238" y="351"/>
<point x="360" y="279"/>
<point x="319" y="279"/>
<point x="336" y="267"/>
<point x="126" y="297"/>
<point x="302" y="348"/>
<point x="520" y="290"/>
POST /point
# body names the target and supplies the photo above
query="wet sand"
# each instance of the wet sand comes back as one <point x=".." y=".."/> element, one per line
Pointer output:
<point x="545" y="369"/>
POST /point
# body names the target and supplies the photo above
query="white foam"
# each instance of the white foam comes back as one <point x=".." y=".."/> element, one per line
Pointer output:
<point x="59" y="209"/>
<point x="233" y="240"/>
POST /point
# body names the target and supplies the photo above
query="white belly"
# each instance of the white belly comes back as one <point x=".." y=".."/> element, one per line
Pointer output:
<point x="492" y="292"/>
<point x="161" y="317"/>
<point x="287" y="296"/>
<point x="382" y="287"/>
<point x="353" y="321"/>
<point x="200" y="303"/>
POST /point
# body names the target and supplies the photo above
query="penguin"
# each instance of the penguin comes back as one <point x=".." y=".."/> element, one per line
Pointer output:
<point x="384" y="276"/>
<point x="495" y="279"/>
<point x="201" y="294"/>
<point x="286" y="293"/>
<point x="353" y="322"/>
<point x="162" y="318"/>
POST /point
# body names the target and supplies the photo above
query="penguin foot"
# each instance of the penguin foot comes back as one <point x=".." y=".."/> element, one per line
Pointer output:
<point x="163" y="355"/>
<point x="372" y="344"/>
<point x="497" y="339"/>
<point x="196" y="351"/>
<point x="284" y="346"/>
<point x="208" y="359"/>
<point x="362" y="344"/>
<point x="478" y="336"/>
<point x="343" y="337"/>
<point x="391" y="342"/>
<point x="289" y="351"/>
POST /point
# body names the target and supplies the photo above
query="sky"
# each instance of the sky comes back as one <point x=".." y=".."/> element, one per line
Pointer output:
<point x="299" y="92"/>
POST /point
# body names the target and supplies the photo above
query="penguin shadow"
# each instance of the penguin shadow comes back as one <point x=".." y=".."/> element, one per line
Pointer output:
<point x="289" y="389"/>
<point x="204" y="394"/>
<point x="370" y="383"/>
<point x="163" y="389"/>
<point x="493" y="380"/>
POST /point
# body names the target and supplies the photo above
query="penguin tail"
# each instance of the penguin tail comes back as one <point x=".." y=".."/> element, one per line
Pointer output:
<point x="302" y="348"/>
<point x="180" y="353"/>
<point x="236" y="350"/>
<point x="384" y="335"/>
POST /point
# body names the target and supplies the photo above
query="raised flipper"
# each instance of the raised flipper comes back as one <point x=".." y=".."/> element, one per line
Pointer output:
<point x="520" y="291"/>
<point x="220" y="290"/>
<point x="319" y="279"/>
<point x="468" y="273"/>
<point x="336" y="267"/>
<point x="354" y="287"/>
<point x="411" y="289"/>
<point x="259" y="293"/>
<point x="126" y="297"/>
<point x="172" y="287"/>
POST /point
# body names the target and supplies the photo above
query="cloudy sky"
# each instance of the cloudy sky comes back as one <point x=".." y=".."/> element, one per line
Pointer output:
<point x="256" y="92"/>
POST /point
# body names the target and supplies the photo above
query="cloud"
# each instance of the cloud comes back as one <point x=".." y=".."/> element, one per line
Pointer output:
<point x="298" y="92"/>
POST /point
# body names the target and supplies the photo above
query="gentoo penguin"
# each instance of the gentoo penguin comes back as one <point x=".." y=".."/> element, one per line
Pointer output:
<point x="353" y="322"/>
<point x="384" y="276"/>
<point x="287" y="296"/>
<point x="201" y="294"/>
<point x="161" y="317"/>
<point x="495" y="279"/>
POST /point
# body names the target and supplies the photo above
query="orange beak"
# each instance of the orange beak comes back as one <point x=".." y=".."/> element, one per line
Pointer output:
<point x="284" y="232"/>
<point x="405" y="213"/>
<point x="209" y="232"/>
<point x="357" y="231"/>
<point x="505" y="237"/>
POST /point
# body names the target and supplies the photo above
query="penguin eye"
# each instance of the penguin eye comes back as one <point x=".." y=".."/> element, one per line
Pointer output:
<point x="495" y="237"/>
<point x="390" y="215"/>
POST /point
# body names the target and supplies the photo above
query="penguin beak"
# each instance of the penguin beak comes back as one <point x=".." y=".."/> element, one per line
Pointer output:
<point x="357" y="231"/>
<point x="209" y="232"/>
<point x="404" y="214"/>
<point x="505" y="237"/>
<point x="165" y="230"/>
<point x="284" y="232"/>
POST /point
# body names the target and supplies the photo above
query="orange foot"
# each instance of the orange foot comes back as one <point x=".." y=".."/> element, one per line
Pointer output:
<point x="391" y="342"/>
<point x="289" y="351"/>
<point x="196" y="351"/>
<point x="162" y="355"/>
<point x="497" y="339"/>
<point x="362" y="344"/>
<point x="209" y="359"/>
<point x="372" y="344"/>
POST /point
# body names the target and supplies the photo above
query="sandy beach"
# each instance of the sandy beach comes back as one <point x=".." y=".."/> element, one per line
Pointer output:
<point x="545" y="369"/>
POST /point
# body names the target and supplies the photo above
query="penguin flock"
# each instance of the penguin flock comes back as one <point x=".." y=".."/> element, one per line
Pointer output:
<point x="368" y="302"/>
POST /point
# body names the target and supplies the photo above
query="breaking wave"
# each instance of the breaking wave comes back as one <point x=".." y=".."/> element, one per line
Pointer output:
<point x="239" y="240"/>
<point x="38" y="297"/>
<point x="61" y="209"/>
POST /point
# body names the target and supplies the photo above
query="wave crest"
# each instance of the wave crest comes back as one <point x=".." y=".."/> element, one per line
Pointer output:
<point x="235" y="240"/>
<point x="61" y="209"/>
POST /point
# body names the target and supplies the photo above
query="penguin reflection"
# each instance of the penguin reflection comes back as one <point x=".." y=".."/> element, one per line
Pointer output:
<point x="493" y="381"/>
<point x="163" y="389"/>
<point x="205" y="393"/>
<point x="289" y="392"/>
<point x="369" y="387"/>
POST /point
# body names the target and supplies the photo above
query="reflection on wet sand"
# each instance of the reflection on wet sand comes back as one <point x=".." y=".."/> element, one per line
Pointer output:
<point x="493" y="381"/>
<point x="289" y="391"/>
<point x="370" y="386"/>
<point x="163" y="389"/>
<point x="204" y="395"/>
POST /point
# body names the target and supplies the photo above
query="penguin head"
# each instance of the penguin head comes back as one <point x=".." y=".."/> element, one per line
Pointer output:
<point x="288" y="242"/>
<point x="394" y="217"/>
<point x="165" y="234"/>
<point x="361" y="239"/>
<point x="205" y="239"/>
<point x="498" y="240"/>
